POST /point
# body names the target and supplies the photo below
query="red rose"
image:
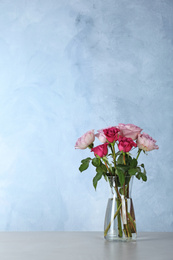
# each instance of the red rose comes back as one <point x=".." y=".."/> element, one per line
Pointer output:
<point x="100" y="150"/>
<point x="111" y="134"/>
<point x="125" y="144"/>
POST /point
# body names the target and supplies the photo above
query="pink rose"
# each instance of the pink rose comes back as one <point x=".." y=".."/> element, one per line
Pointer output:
<point x="129" y="130"/>
<point x="111" y="134"/>
<point x="125" y="144"/>
<point x="85" y="140"/>
<point x="146" y="142"/>
<point x="100" y="150"/>
<point x="101" y="136"/>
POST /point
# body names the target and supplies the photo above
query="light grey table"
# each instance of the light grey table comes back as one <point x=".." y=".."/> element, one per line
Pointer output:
<point x="83" y="246"/>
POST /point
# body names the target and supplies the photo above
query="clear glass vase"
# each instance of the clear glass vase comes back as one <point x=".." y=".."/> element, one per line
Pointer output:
<point x="120" y="223"/>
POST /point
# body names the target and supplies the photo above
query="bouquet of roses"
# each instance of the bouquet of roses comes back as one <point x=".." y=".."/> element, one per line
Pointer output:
<point x="116" y="163"/>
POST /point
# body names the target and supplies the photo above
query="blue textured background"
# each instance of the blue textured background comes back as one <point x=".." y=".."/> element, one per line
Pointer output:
<point x="67" y="67"/>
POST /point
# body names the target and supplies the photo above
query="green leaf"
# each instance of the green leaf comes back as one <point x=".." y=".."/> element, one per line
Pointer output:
<point x="144" y="177"/>
<point x="84" y="166"/>
<point x="141" y="175"/>
<point x="121" y="176"/>
<point x="122" y="167"/>
<point x="101" y="169"/>
<point x="133" y="163"/>
<point x="86" y="160"/>
<point x="138" y="176"/>
<point x="104" y="168"/>
<point x="96" y="162"/>
<point x="96" y="179"/>
<point x="128" y="159"/>
<point x="120" y="159"/>
<point x="132" y="171"/>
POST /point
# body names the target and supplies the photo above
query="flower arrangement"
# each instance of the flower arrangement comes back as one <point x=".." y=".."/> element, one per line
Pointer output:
<point x="113" y="159"/>
<point x="116" y="163"/>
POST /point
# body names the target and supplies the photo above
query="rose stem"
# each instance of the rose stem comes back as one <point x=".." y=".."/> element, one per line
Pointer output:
<point x="139" y="151"/>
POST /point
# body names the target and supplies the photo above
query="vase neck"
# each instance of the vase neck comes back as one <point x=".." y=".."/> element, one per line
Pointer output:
<point x="118" y="190"/>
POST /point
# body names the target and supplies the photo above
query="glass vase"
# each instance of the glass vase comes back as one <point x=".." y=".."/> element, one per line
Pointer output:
<point x="120" y="223"/>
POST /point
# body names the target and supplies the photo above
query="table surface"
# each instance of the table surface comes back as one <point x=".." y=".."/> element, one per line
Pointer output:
<point x="83" y="246"/>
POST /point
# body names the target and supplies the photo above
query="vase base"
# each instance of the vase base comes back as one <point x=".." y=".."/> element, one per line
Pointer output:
<point x="114" y="237"/>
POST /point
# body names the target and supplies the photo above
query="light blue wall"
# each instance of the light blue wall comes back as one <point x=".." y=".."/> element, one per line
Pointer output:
<point x="68" y="66"/>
